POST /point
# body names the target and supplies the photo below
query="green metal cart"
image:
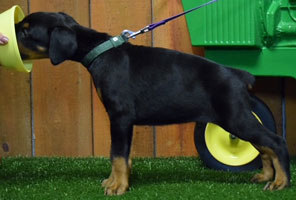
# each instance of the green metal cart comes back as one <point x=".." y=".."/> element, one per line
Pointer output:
<point x="254" y="35"/>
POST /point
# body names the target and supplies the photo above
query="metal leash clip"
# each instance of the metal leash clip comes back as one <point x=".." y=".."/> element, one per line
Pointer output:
<point x="131" y="34"/>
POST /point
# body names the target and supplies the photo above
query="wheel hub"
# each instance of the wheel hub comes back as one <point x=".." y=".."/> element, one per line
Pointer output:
<point x="227" y="148"/>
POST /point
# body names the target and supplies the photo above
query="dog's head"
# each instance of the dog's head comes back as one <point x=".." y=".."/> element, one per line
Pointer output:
<point x="47" y="35"/>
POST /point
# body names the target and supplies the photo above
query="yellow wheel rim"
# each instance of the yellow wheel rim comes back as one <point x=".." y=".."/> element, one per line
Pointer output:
<point x="228" y="149"/>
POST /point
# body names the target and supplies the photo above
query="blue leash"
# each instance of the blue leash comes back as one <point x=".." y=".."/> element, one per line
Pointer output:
<point x="126" y="34"/>
<point x="131" y="34"/>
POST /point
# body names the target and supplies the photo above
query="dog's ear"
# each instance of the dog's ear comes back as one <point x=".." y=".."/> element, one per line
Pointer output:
<point x="62" y="44"/>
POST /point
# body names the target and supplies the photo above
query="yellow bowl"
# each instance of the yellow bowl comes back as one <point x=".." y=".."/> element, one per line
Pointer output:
<point x="10" y="57"/>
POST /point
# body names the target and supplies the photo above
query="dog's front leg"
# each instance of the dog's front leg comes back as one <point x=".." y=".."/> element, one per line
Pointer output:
<point x="121" y="137"/>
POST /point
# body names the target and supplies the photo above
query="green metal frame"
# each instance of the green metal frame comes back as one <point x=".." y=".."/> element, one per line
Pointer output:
<point x="260" y="62"/>
<point x="224" y="23"/>
<point x="255" y="35"/>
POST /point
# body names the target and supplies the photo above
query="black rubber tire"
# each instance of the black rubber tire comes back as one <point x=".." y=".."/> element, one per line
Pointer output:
<point x="267" y="119"/>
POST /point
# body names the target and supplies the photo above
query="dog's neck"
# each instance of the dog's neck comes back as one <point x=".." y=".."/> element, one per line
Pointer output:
<point x="87" y="39"/>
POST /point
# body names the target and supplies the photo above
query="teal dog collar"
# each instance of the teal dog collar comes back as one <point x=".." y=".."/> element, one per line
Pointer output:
<point x="105" y="46"/>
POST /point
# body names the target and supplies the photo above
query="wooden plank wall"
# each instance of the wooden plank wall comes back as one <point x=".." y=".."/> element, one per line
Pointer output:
<point x="58" y="109"/>
<point x="15" y="104"/>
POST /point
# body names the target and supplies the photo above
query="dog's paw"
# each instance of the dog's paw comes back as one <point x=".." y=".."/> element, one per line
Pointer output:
<point x="259" y="178"/>
<point x="276" y="185"/>
<point x="114" y="186"/>
<point x="117" y="183"/>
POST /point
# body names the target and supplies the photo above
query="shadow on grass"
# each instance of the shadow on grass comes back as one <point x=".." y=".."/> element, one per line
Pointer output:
<point x="178" y="170"/>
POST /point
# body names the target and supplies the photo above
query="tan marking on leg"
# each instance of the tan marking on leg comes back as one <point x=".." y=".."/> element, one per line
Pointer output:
<point x="281" y="179"/>
<point x="267" y="173"/>
<point x="117" y="183"/>
<point x="130" y="163"/>
<point x="108" y="181"/>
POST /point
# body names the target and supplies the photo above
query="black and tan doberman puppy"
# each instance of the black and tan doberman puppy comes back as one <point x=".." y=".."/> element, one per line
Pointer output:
<point x="155" y="86"/>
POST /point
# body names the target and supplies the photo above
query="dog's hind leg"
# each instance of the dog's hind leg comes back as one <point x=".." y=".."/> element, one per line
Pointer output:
<point x="267" y="173"/>
<point x="273" y="149"/>
<point x="121" y="137"/>
<point x="280" y="164"/>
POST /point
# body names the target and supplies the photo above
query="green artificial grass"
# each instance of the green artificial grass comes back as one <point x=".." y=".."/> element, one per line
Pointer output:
<point x="152" y="178"/>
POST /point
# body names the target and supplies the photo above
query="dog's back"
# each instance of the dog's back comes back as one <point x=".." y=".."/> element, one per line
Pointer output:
<point x="164" y="86"/>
